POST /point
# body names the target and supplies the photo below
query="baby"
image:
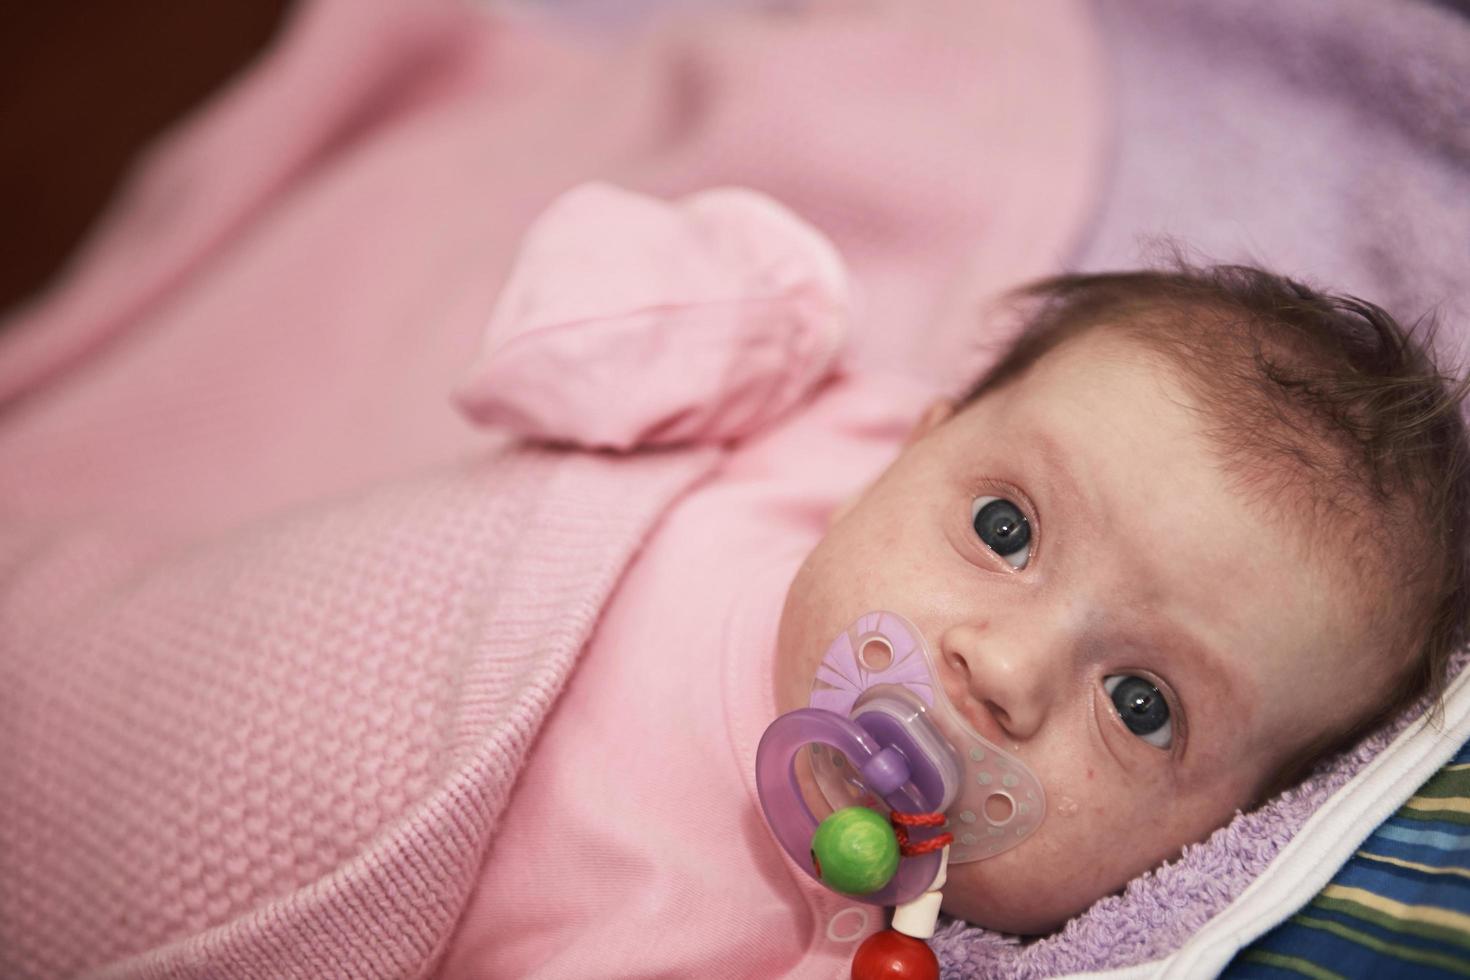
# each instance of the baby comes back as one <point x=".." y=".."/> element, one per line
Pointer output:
<point x="1194" y="531"/>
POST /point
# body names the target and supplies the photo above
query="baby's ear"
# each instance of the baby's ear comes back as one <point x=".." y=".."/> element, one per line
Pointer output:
<point x="934" y="416"/>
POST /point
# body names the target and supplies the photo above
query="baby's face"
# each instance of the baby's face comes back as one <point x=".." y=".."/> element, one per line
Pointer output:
<point x="1144" y="572"/>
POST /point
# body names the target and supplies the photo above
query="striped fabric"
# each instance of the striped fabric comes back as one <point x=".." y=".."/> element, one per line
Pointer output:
<point x="1399" y="907"/>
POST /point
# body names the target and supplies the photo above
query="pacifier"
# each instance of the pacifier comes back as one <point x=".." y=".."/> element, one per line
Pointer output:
<point x="881" y="735"/>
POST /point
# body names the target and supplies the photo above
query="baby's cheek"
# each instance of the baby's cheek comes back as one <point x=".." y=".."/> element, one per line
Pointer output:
<point x="1030" y="896"/>
<point x="1076" y="857"/>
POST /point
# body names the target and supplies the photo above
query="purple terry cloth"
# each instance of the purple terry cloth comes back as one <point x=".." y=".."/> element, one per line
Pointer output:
<point x="1325" y="140"/>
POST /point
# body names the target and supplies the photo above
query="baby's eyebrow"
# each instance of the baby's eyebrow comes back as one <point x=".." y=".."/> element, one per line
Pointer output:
<point x="1062" y="478"/>
<point x="1201" y="675"/>
<point x="1059" y="472"/>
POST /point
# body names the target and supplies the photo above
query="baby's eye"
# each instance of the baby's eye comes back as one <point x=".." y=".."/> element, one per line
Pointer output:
<point x="1142" y="708"/>
<point x="1003" y="528"/>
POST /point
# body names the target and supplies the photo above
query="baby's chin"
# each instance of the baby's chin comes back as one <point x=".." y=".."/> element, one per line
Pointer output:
<point x="1009" y="921"/>
<point x="1016" y="907"/>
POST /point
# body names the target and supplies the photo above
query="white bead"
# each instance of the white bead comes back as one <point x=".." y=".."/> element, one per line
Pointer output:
<point x="918" y="918"/>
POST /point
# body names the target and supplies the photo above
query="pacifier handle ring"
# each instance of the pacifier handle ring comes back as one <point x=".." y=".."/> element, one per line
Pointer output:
<point x="791" y="820"/>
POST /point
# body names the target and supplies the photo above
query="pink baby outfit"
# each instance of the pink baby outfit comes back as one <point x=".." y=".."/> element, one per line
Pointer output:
<point x="278" y="624"/>
<point x="634" y="844"/>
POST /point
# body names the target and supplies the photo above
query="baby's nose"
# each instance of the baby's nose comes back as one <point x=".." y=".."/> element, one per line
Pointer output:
<point x="1002" y="676"/>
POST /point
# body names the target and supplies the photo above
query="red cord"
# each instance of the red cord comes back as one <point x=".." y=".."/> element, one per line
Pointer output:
<point x="903" y="821"/>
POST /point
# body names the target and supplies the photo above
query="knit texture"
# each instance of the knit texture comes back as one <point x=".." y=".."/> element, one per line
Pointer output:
<point x="291" y="747"/>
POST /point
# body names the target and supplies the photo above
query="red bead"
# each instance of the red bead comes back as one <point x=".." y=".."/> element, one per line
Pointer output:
<point x="890" y="955"/>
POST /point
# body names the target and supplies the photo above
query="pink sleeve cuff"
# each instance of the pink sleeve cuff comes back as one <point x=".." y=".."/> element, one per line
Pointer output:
<point x="629" y="321"/>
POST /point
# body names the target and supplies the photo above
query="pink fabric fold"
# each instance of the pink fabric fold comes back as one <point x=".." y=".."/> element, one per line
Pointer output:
<point x="629" y="322"/>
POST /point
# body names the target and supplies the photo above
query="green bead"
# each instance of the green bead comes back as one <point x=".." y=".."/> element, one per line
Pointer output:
<point x="855" y="851"/>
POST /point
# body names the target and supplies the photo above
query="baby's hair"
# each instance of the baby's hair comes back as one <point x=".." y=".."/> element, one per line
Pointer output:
<point x="1316" y="403"/>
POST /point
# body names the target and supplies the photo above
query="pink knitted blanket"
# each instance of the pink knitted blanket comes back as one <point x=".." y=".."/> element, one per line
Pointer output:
<point x="282" y="754"/>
